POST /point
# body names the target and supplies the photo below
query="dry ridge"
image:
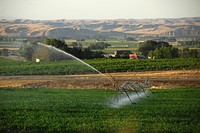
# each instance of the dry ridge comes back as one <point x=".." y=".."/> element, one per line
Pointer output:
<point x="176" y="27"/>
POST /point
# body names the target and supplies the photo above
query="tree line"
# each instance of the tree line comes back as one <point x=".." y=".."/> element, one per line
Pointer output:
<point x="161" y="50"/>
<point x="80" y="52"/>
<point x="153" y="49"/>
<point x="33" y="51"/>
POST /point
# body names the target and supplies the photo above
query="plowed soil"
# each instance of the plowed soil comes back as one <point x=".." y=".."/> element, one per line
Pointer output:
<point x="159" y="80"/>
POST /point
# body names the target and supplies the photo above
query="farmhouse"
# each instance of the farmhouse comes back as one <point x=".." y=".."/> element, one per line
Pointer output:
<point x="121" y="54"/>
<point x="9" y="52"/>
<point x="4" y="52"/>
<point x="136" y="56"/>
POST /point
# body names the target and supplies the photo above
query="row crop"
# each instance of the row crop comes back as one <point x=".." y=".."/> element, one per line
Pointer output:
<point x="124" y="65"/>
<point x="71" y="110"/>
<point x="10" y="67"/>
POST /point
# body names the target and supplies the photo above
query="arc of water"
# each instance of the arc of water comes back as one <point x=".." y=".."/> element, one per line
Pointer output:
<point x="70" y="55"/>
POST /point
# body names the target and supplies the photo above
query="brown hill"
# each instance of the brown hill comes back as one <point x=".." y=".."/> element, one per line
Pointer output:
<point x="177" y="27"/>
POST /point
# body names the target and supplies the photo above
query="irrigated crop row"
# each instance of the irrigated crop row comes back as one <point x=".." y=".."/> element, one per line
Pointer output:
<point x="10" y="67"/>
<point x="124" y="65"/>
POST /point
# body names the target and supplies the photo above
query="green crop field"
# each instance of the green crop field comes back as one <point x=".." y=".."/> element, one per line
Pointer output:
<point x="112" y="42"/>
<point x="72" y="110"/>
<point x="115" y="45"/>
<point x="13" y="67"/>
<point x="127" y="65"/>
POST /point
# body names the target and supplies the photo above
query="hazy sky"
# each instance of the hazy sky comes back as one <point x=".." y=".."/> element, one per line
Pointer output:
<point x="98" y="9"/>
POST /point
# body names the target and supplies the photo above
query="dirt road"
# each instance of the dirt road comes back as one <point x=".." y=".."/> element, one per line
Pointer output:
<point x="159" y="80"/>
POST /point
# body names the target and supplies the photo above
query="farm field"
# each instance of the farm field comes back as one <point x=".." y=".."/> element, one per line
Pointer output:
<point x="65" y="96"/>
<point x="112" y="42"/>
<point x="59" y="74"/>
<point x="159" y="80"/>
<point x="81" y="110"/>
<point x="14" y="67"/>
<point x="115" y="45"/>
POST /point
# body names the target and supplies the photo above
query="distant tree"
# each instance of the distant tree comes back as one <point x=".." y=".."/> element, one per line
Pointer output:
<point x="28" y="51"/>
<point x="99" y="45"/>
<point x="187" y="53"/>
<point x="147" y="46"/>
<point x="74" y="44"/>
<point x="80" y="45"/>
<point x="76" y="50"/>
<point x="165" y="52"/>
<point x="157" y="53"/>
<point x="98" y="54"/>
<point x="151" y="54"/>
<point x="130" y="39"/>
<point x="57" y="43"/>
<point x="163" y="49"/>
<point x="87" y="54"/>
<point x="194" y="53"/>
<point x="175" y="52"/>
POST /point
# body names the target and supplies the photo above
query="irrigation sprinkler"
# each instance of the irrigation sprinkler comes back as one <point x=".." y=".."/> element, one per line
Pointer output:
<point x="128" y="85"/>
<point x="145" y="84"/>
<point x="131" y="86"/>
<point x="121" y="89"/>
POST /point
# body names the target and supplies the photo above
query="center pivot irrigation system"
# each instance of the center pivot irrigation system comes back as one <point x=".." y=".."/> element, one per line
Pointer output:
<point x="130" y="86"/>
